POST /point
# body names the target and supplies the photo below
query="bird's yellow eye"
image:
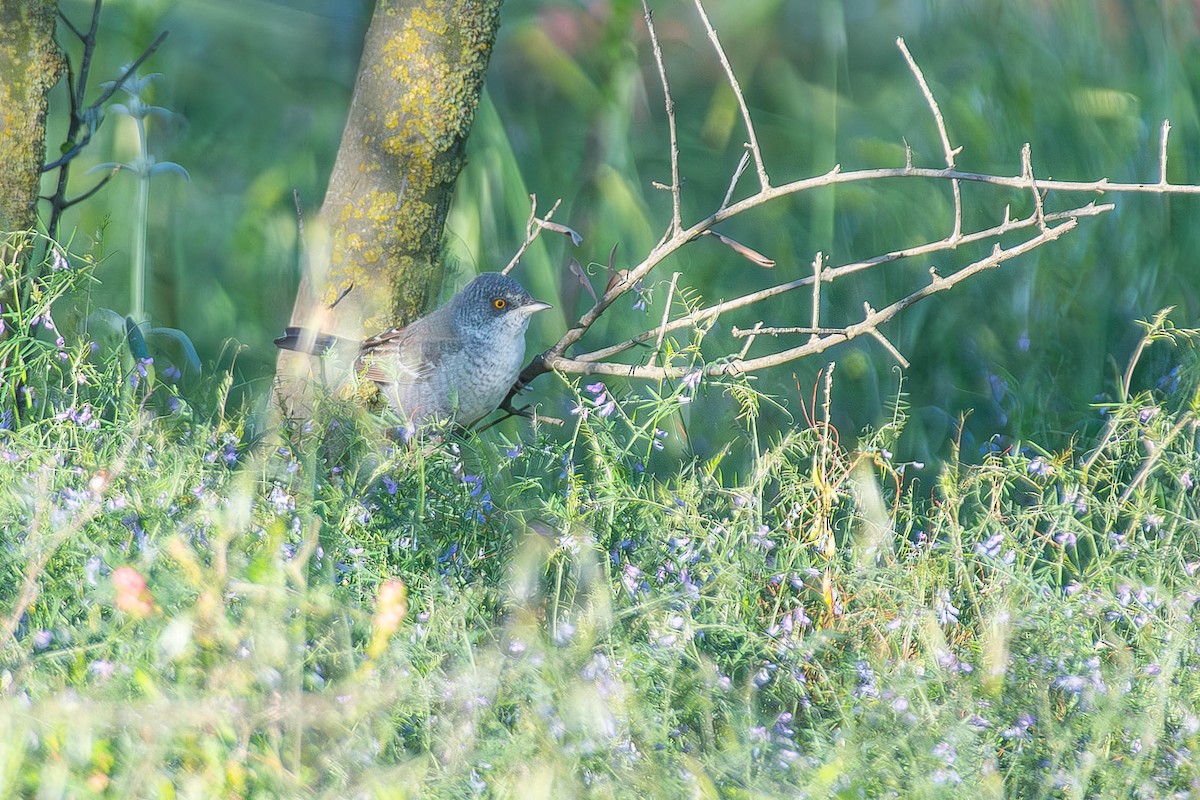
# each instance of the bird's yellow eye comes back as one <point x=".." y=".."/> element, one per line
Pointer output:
<point x="499" y="303"/>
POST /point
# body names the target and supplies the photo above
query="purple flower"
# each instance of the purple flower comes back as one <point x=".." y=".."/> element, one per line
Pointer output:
<point x="1020" y="729"/>
<point x="946" y="611"/>
<point x="639" y="289"/>
<point x="991" y="547"/>
<point x="1040" y="468"/>
<point x="102" y="669"/>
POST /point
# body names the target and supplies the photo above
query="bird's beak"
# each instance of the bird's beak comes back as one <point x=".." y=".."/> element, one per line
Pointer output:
<point x="533" y="307"/>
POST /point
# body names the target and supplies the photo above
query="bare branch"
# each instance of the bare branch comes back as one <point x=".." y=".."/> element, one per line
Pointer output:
<point x="666" y="317"/>
<point x="676" y="220"/>
<point x="1039" y="211"/>
<point x="1049" y="227"/>
<point x="950" y="152"/>
<point x="1162" y="153"/>
<point x="831" y="274"/>
<point x="867" y="326"/>
<point x="817" y="264"/>
<point x="891" y="348"/>
<point x="763" y="181"/>
<point x="750" y="335"/>
<point x="737" y="176"/>
<point x="67" y="203"/>
<point x="759" y="330"/>
<point x="533" y="228"/>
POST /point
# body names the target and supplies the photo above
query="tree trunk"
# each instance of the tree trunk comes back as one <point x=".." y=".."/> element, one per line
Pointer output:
<point x="30" y="65"/>
<point x="376" y="243"/>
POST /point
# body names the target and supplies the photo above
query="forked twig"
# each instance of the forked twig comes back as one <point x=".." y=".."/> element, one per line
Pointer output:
<point x="676" y="220"/>
<point x="950" y="152"/>
<point x="534" y="227"/>
<point x="868" y="326"/>
<point x="763" y="180"/>
<point x="831" y="274"/>
<point x="1048" y="226"/>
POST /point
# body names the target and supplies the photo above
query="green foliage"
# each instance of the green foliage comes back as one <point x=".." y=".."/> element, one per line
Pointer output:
<point x="187" y="611"/>
<point x="573" y="110"/>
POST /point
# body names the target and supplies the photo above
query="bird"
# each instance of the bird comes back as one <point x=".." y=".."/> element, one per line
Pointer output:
<point x="457" y="363"/>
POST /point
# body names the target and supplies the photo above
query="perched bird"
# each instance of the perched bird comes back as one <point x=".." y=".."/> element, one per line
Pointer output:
<point x="457" y="362"/>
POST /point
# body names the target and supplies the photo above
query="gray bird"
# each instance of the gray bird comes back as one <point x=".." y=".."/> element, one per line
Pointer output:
<point x="457" y="362"/>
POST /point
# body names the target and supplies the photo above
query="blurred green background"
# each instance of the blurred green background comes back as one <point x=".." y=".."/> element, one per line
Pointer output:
<point x="574" y="110"/>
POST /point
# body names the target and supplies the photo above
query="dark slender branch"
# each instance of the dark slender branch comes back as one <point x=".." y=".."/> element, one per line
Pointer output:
<point x="116" y="85"/>
<point x="67" y="21"/>
<point x="85" y="120"/>
<point x="79" y="199"/>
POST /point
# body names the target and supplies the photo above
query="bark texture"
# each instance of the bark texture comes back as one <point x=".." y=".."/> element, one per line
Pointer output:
<point x="419" y="82"/>
<point x="30" y="65"/>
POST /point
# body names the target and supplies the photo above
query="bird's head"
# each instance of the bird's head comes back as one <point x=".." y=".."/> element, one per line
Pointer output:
<point x="493" y="301"/>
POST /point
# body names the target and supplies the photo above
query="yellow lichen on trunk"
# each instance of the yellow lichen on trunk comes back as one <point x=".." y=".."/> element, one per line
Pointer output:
<point x="30" y="64"/>
<point x="422" y="71"/>
<point x="379" y="252"/>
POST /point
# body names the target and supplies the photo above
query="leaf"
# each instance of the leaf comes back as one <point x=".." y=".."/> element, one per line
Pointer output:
<point x="615" y="276"/>
<point x="169" y="166"/>
<point x="137" y="342"/>
<point x="742" y="250"/>
<point x="158" y="111"/>
<point x="577" y="270"/>
<point x="576" y="239"/>
<point x="185" y="344"/>
<point x="109" y="166"/>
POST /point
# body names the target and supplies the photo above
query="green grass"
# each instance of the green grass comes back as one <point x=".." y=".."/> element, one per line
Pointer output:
<point x="586" y="614"/>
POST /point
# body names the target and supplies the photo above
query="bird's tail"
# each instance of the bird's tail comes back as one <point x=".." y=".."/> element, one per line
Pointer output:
<point x="303" y="340"/>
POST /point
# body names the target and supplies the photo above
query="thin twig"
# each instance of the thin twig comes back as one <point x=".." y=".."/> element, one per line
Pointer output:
<point x="891" y="348"/>
<point x="1039" y="211"/>
<point x="81" y="126"/>
<point x="817" y="264"/>
<point x="750" y="335"/>
<point x="1162" y="153"/>
<point x="822" y="337"/>
<point x="676" y="220"/>
<point x="759" y="330"/>
<point x="99" y="185"/>
<point x="763" y="181"/>
<point x="831" y="274"/>
<point x="950" y="152"/>
<point x="835" y="177"/>
<point x="666" y="317"/>
<point x="532" y="229"/>
<point x="872" y="321"/>
<point x="743" y="162"/>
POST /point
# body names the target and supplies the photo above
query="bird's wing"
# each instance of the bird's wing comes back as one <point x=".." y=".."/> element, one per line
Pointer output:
<point x="405" y="355"/>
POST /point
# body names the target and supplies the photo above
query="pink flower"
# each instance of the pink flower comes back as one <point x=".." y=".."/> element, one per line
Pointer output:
<point x="132" y="595"/>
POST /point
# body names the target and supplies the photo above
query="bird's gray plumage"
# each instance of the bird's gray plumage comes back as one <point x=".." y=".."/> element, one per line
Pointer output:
<point x="457" y="362"/>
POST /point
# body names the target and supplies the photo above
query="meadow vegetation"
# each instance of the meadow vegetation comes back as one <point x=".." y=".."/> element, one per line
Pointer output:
<point x="200" y="602"/>
<point x="979" y="581"/>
